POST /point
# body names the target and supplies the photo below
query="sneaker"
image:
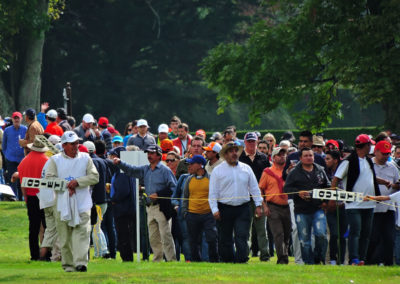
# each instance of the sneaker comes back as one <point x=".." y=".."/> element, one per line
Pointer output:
<point x="81" y="268"/>
<point x="332" y="262"/>
<point x="69" y="269"/>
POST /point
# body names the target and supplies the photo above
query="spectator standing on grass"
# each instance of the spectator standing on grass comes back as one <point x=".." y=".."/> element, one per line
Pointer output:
<point x="86" y="131"/>
<point x="381" y="244"/>
<point x="309" y="213"/>
<point x="174" y="123"/>
<point x="212" y="155"/>
<point x="52" y="126"/>
<point x="159" y="181"/>
<point x="123" y="197"/>
<point x="99" y="200"/>
<point x="358" y="175"/>
<point x="34" y="128"/>
<point x="12" y="150"/>
<point x="332" y="159"/>
<point x="143" y="139"/>
<point x="271" y="185"/>
<point x="183" y="140"/>
<point x="103" y="124"/>
<point x="231" y="185"/>
<point x="197" y="212"/>
<point x="257" y="162"/>
<point x="73" y="229"/>
<point x="31" y="167"/>
<point x="62" y="120"/>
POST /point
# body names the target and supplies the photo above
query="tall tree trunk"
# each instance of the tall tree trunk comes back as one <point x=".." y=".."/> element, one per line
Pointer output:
<point x="29" y="92"/>
<point x="7" y="105"/>
<point x="391" y="106"/>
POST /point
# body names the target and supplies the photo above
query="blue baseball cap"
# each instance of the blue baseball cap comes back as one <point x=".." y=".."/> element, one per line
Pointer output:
<point x="250" y="136"/>
<point x="117" y="139"/>
<point x="154" y="149"/>
<point x="199" y="159"/>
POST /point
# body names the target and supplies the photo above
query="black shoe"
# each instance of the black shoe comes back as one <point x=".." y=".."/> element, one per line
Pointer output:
<point x="81" y="268"/>
<point x="107" y="256"/>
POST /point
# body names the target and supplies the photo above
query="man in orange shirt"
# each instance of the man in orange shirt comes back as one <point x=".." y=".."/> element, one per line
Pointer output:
<point x="271" y="183"/>
<point x="52" y="127"/>
<point x="32" y="166"/>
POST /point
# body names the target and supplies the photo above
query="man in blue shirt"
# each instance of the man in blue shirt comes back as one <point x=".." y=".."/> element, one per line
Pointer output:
<point x="13" y="152"/>
<point x="159" y="181"/>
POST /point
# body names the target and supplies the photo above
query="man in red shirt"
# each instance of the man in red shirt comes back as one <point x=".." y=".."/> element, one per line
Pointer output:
<point x="32" y="166"/>
<point x="52" y="127"/>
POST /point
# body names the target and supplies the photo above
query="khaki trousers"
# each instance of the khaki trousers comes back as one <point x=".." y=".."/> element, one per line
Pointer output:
<point x="160" y="235"/>
<point x="74" y="241"/>
<point x="50" y="239"/>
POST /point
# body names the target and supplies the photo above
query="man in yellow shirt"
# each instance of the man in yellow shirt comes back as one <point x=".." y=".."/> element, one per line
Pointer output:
<point x="197" y="211"/>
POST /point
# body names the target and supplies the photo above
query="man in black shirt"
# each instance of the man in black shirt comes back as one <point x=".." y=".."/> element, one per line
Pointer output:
<point x="309" y="214"/>
<point x="258" y="162"/>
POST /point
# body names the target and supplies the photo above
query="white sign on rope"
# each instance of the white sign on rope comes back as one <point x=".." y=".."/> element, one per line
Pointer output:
<point x="339" y="195"/>
<point x="49" y="145"/>
<point x="56" y="184"/>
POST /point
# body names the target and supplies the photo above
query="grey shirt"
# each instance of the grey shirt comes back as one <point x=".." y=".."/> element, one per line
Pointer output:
<point x="142" y="142"/>
<point x="159" y="180"/>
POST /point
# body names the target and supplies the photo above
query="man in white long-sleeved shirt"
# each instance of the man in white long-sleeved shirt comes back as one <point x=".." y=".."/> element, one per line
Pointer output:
<point x="78" y="169"/>
<point x="232" y="184"/>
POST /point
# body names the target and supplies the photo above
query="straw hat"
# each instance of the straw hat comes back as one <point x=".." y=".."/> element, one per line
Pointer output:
<point x="230" y="145"/>
<point x="37" y="146"/>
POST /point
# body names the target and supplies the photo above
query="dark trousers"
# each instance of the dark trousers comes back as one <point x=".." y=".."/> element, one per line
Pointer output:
<point x="11" y="168"/>
<point x="36" y="218"/>
<point x="234" y="227"/>
<point x="331" y="218"/>
<point x="108" y="228"/>
<point x="281" y="228"/>
<point x="197" y="224"/>
<point x="381" y="245"/>
<point x="126" y="229"/>
<point x="360" y="226"/>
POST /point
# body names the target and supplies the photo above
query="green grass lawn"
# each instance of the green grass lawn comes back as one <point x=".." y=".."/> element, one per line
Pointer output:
<point x="15" y="266"/>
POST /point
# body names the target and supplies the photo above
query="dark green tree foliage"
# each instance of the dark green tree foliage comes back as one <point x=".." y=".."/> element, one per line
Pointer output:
<point x="133" y="59"/>
<point x="310" y="50"/>
<point x="22" y="34"/>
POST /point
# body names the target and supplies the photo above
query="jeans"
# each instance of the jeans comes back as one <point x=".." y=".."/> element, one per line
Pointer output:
<point x="36" y="218"/>
<point x="108" y="228"/>
<point x="234" y="227"/>
<point x="305" y="224"/>
<point x="11" y="168"/>
<point x="295" y="235"/>
<point x="198" y="224"/>
<point x="397" y="246"/>
<point x="331" y="217"/>
<point x="185" y="238"/>
<point x="381" y="245"/>
<point x="360" y="226"/>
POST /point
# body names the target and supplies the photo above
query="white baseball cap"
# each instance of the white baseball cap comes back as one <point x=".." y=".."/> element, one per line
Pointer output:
<point x="54" y="139"/>
<point x="69" y="137"/>
<point x="88" y="118"/>
<point x="52" y="113"/>
<point x="142" y="122"/>
<point x="163" y="128"/>
<point x="90" y="146"/>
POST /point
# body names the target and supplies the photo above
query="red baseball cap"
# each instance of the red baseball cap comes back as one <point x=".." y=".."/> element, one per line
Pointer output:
<point x="16" y="113"/>
<point x="363" y="139"/>
<point x="83" y="148"/>
<point x="333" y="142"/>
<point x="201" y="132"/>
<point x="383" y="146"/>
<point x="103" y="121"/>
